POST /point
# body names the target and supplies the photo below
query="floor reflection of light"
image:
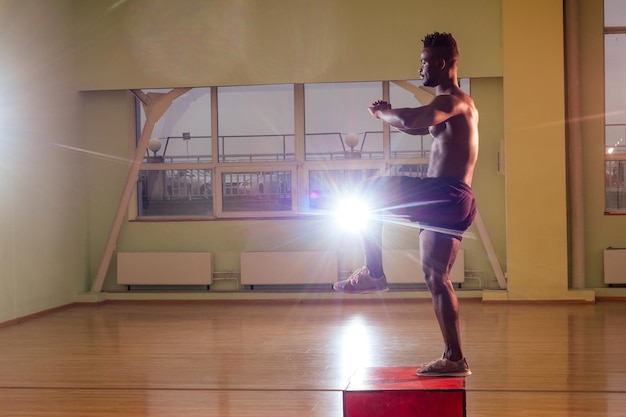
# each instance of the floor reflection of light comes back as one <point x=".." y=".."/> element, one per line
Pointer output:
<point x="355" y="345"/>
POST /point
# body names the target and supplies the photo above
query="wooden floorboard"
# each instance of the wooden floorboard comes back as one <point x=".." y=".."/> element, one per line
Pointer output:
<point x="294" y="359"/>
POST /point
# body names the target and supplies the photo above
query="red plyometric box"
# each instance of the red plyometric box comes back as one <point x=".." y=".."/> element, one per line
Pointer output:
<point x="399" y="392"/>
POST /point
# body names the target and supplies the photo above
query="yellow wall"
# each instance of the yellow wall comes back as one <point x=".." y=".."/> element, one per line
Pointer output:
<point x="534" y="107"/>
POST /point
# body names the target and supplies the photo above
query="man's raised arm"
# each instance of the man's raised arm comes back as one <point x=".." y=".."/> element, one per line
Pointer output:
<point x="416" y="121"/>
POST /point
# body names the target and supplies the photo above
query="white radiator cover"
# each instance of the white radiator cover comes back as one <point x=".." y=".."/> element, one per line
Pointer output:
<point x="276" y="268"/>
<point x="272" y="268"/>
<point x="615" y="266"/>
<point x="404" y="267"/>
<point x="164" y="268"/>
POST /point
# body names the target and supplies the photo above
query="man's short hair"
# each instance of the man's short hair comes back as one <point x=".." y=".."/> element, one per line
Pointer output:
<point x="444" y="43"/>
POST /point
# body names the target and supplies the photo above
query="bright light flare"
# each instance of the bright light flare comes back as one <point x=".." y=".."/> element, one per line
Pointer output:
<point x="355" y="344"/>
<point x="353" y="213"/>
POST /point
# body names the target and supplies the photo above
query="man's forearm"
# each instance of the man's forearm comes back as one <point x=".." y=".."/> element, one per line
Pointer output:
<point x="392" y="117"/>
<point x="401" y="119"/>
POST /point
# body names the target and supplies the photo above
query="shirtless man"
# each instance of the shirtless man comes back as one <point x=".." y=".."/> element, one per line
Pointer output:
<point x="442" y="203"/>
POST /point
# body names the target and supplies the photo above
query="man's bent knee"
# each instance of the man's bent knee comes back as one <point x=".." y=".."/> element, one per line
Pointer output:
<point x="437" y="283"/>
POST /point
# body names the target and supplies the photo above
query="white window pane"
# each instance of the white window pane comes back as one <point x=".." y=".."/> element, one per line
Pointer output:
<point x="169" y="192"/>
<point x="615" y="103"/>
<point x="327" y="187"/>
<point x="256" y="191"/>
<point x="615" y="196"/>
<point x="184" y="131"/>
<point x="614" y="13"/>
<point x="615" y="136"/>
<point x="615" y="76"/>
<point x="256" y="123"/>
<point x="406" y="95"/>
<point x="336" y="111"/>
<point x="410" y="170"/>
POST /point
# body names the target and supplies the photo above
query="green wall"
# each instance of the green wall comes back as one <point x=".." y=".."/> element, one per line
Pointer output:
<point x="110" y="117"/>
<point x="165" y="43"/>
<point x="601" y="231"/>
<point x="43" y="208"/>
<point x="526" y="218"/>
<point x="327" y="41"/>
<point x="59" y="203"/>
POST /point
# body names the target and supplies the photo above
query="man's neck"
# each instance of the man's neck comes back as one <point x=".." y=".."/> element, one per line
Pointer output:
<point x="447" y="85"/>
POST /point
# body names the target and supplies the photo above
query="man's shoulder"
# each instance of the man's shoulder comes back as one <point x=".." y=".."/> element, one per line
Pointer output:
<point x="454" y="102"/>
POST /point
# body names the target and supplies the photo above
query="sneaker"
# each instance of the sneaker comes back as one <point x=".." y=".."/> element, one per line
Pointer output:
<point x="360" y="282"/>
<point x="445" y="367"/>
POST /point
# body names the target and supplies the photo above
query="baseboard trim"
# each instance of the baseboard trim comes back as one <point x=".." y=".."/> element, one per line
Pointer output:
<point x="36" y="315"/>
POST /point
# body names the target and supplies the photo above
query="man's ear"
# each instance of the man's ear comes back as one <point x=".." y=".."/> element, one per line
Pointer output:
<point x="442" y="64"/>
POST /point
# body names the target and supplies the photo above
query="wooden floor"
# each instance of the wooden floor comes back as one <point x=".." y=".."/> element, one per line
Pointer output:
<point x="293" y="359"/>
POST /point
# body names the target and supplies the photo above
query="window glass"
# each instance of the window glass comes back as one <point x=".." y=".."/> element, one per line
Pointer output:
<point x="410" y="170"/>
<point x="615" y="102"/>
<point x="256" y="123"/>
<point x="173" y="192"/>
<point x="337" y="123"/>
<point x="183" y="133"/>
<point x="327" y="187"/>
<point x="614" y="69"/>
<point x="614" y="139"/>
<point x="257" y="171"/>
<point x="615" y="185"/>
<point x="404" y="95"/>
<point x="266" y="191"/>
<point x="614" y="13"/>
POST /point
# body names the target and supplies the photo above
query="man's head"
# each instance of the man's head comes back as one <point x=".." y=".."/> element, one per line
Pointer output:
<point x="439" y="58"/>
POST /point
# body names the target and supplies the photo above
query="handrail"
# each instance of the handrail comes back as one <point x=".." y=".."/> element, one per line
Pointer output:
<point x="284" y="156"/>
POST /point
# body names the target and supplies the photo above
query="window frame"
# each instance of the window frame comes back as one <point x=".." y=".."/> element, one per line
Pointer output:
<point x="300" y="168"/>
<point x="610" y="157"/>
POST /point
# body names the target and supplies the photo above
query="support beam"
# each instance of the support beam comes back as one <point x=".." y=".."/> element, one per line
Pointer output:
<point x="491" y="253"/>
<point x="155" y="106"/>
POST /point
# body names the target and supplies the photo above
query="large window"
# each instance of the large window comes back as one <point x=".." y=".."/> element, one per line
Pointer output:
<point x="615" y="103"/>
<point x="273" y="150"/>
<point x="177" y="178"/>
